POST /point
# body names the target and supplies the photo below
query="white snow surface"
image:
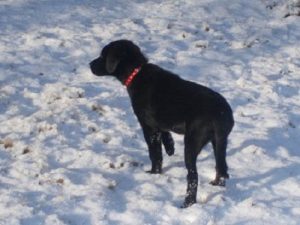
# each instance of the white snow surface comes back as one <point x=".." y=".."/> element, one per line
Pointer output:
<point x="71" y="149"/>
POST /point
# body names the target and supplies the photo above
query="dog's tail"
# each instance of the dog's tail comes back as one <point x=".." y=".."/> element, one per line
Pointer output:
<point x="168" y="143"/>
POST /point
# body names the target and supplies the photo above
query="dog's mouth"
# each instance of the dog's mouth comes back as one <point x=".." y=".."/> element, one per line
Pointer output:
<point x="94" y="66"/>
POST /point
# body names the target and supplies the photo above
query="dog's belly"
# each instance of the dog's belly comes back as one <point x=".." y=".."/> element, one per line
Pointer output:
<point x="165" y="123"/>
<point x="178" y="128"/>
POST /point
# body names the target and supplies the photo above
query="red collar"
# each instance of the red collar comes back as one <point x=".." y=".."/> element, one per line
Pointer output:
<point x="132" y="76"/>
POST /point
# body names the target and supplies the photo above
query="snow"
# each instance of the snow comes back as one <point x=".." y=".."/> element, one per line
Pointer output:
<point x="71" y="149"/>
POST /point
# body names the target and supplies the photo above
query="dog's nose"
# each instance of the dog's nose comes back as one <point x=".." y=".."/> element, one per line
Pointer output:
<point x="92" y="67"/>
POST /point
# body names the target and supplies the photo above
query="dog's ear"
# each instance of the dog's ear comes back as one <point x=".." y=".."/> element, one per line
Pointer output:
<point x="111" y="62"/>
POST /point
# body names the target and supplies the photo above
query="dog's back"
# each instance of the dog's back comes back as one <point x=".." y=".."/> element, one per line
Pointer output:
<point x="172" y="100"/>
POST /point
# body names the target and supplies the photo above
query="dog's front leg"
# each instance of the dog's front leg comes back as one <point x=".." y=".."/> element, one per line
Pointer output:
<point x="168" y="142"/>
<point x="154" y="142"/>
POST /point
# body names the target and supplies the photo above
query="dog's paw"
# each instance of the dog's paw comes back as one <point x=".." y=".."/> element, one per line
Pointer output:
<point x="155" y="171"/>
<point x="156" y="168"/>
<point x="168" y="143"/>
<point x="170" y="150"/>
<point x="187" y="203"/>
<point x="219" y="182"/>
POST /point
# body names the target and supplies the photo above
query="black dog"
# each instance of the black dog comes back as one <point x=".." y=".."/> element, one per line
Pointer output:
<point x="164" y="102"/>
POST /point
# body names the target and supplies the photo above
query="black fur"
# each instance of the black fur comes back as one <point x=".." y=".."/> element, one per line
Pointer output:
<point x="164" y="102"/>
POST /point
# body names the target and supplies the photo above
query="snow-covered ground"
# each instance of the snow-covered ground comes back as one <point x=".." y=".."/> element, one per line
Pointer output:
<point x="71" y="150"/>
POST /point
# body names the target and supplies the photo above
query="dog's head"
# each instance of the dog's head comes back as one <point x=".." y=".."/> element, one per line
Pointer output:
<point x="118" y="59"/>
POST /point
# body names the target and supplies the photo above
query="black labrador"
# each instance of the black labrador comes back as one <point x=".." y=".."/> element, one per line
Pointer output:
<point x="164" y="102"/>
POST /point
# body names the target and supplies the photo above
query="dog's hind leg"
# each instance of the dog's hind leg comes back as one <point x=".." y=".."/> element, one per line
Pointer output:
<point x="219" y="146"/>
<point x="168" y="142"/>
<point x="194" y="142"/>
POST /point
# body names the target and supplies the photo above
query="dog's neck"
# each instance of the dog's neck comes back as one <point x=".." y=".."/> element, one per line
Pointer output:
<point x="131" y="76"/>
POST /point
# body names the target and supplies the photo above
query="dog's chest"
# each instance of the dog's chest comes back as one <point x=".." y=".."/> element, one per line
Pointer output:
<point x="158" y="109"/>
<point x="158" y="119"/>
<point x="146" y="114"/>
<point x="149" y="117"/>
